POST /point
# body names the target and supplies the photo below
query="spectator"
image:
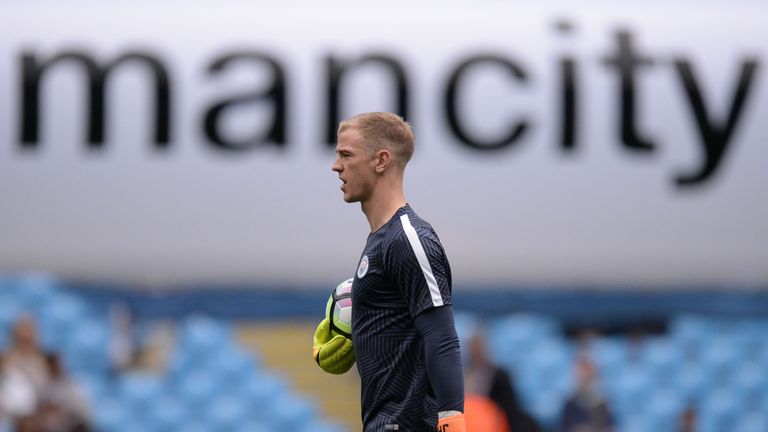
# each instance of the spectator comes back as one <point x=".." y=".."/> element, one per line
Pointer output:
<point x="688" y="420"/>
<point x="487" y="379"/>
<point x="24" y="356"/>
<point x="123" y="351"/>
<point x="586" y="410"/>
<point x="17" y="395"/>
<point x="64" y="407"/>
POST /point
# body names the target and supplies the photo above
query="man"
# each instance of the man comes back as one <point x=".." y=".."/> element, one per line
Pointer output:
<point x="403" y="333"/>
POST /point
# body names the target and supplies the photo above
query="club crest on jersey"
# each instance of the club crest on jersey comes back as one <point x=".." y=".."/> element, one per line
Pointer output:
<point x="362" y="269"/>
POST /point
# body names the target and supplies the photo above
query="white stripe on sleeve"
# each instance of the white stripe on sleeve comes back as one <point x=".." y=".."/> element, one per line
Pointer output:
<point x="421" y="256"/>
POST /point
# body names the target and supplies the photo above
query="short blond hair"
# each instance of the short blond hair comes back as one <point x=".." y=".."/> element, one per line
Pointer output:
<point x="383" y="130"/>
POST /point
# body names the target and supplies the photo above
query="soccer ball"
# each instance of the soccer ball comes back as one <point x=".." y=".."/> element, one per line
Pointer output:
<point x="338" y="310"/>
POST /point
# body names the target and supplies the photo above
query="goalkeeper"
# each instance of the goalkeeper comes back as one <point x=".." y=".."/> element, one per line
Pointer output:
<point x="403" y="333"/>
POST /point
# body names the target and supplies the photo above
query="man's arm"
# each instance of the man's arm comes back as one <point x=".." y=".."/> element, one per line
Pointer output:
<point x="443" y="361"/>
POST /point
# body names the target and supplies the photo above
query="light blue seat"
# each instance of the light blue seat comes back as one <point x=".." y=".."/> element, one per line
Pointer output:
<point x="633" y="390"/>
<point x="35" y="291"/>
<point x="547" y="407"/>
<point x="139" y="391"/>
<point x="751" y="384"/>
<point x="755" y="421"/>
<point x="719" y="411"/>
<point x="94" y="384"/>
<point x="610" y="355"/>
<point x="692" y="381"/>
<point x="232" y="365"/>
<point x="253" y="425"/>
<point x="635" y="423"/>
<point x="550" y="366"/>
<point x="87" y="345"/>
<point x="293" y="413"/>
<point x="720" y="360"/>
<point x="692" y="333"/>
<point x="10" y="311"/>
<point x="197" y="390"/>
<point x="199" y="339"/>
<point x="511" y="338"/>
<point x="225" y="413"/>
<point x="322" y="426"/>
<point x="261" y="390"/>
<point x="58" y="320"/>
<point x="109" y="414"/>
<point x="662" y="358"/>
<point x="664" y="409"/>
<point x="167" y="413"/>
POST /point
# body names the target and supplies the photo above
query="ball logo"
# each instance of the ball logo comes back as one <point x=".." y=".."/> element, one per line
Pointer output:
<point x="363" y="268"/>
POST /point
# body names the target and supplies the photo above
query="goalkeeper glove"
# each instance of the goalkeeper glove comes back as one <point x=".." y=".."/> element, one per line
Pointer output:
<point x="334" y="353"/>
<point x="451" y="421"/>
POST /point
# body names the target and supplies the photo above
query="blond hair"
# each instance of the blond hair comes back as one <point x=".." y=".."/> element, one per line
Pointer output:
<point x="383" y="130"/>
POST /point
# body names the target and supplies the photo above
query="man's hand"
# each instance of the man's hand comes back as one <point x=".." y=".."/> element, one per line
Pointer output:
<point x="334" y="353"/>
<point x="451" y="421"/>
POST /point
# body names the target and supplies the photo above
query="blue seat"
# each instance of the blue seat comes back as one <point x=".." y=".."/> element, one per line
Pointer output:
<point x="719" y="411"/>
<point x="139" y="391"/>
<point x="511" y="337"/>
<point x="200" y="338"/>
<point x="87" y="345"/>
<point x="225" y="413"/>
<point x="322" y="426"/>
<point x="662" y="358"/>
<point x="692" y="382"/>
<point x="261" y="390"/>
<point x="633" y="390"/>
<point x="549" y="366"/>
<point x="35" y="292"/>
<point x="232" y="365"/>
<point x="293" y="413"/>
<point x="754" y="421"/>
<point x="167" y="413"/>
<point x="610" y="355"/>
<point x="720" y="360"/>
<point x="197" y="390"/>
<point x="664" y="409"/>
<point x="59" y="318"/>
<point x="546" y="408"/>
<point x="109" y="414"/>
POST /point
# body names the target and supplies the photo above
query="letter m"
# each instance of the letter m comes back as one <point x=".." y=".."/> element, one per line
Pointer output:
<point x="33" y="70"/>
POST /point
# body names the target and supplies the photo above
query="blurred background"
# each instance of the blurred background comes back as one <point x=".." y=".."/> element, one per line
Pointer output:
<point x="170" y="227"/>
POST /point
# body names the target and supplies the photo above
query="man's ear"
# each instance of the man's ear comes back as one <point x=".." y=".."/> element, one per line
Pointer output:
<point x="383" y="160"/>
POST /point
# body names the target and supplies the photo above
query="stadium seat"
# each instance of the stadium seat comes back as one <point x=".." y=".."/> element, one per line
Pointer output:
<point x="261" y="390"/>
<point x="662" y="358"/>
<point x="610" y="355"/>
<point x="35" y="292"/>
<point x="293" y="413"/>
<point x="664" y="410"/>
<point x="225" y="413"/>
<point x="756" y="421"/>
<point x="719" y="411"/>
<point x="139" y="391"/>
<point x="634" y="390"/>
<point x="87" y="346"/>
<point x="58" y="319"/>
<point x="511" y="337"/>
<point x="109" y="414"/>
<point x="231" y="365"/>
<point x="197" y="390"/>
<point x="201" y="337"/>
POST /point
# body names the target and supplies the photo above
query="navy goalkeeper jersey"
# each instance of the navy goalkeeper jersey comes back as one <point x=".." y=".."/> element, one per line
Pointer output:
<point x="402" y="272"/>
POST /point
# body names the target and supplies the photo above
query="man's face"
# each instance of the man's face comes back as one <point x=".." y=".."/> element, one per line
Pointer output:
<point x="355" y="164"/>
